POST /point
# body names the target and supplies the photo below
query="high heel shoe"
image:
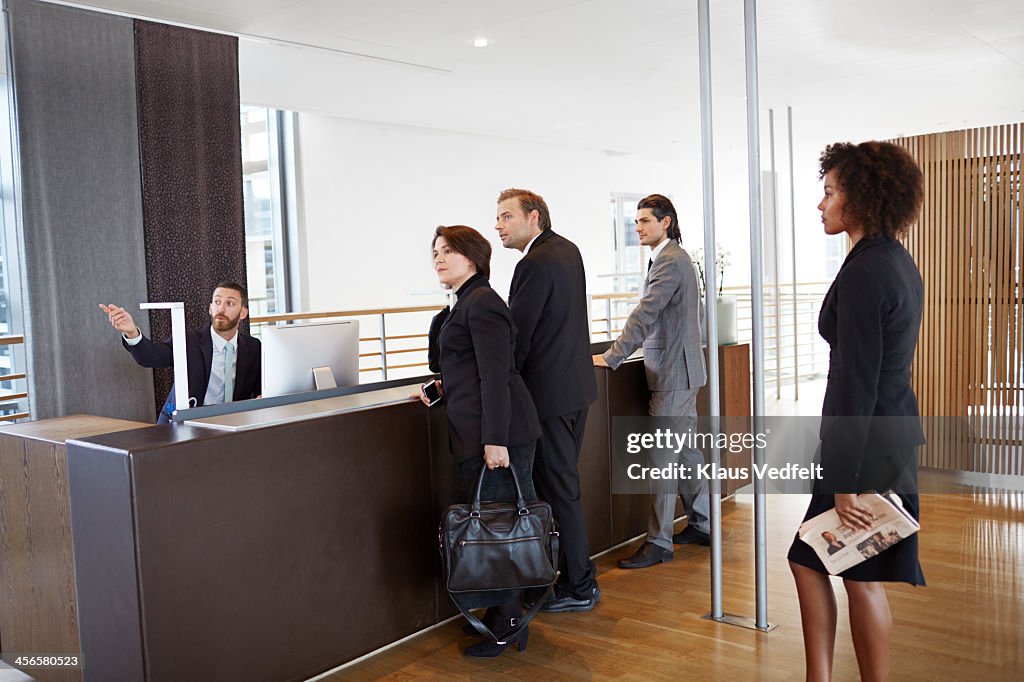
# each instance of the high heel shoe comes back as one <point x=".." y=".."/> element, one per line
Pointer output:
<point x="489" y="649"/>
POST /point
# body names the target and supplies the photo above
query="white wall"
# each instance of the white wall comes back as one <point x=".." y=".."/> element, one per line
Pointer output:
<point x="372" y="194"/>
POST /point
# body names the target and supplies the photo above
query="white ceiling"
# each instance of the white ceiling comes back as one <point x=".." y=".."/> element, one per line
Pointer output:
<point x="622" y="76"/>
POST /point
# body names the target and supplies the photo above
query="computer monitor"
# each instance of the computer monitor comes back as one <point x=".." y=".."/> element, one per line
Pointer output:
<point x="310" y="357"/>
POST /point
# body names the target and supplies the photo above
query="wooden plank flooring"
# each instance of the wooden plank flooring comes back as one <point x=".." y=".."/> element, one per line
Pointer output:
<point x="968" y="624"/>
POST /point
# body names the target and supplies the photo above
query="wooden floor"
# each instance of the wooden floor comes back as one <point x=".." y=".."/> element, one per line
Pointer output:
<point x="968" y="624"/>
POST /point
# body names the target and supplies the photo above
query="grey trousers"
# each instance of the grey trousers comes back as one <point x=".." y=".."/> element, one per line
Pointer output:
<point x="694" y="493"/>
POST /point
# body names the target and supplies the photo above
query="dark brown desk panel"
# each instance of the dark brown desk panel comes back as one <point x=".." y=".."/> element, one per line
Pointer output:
<point x="275" y="553"/>
<point x="109" y="613"/>
<point x="628" y="396"/>
<point x="109" y="606"/>
<point x="734" y="389"/>
<point x="595" y="470"/>
<point x="283" y="551"/>
<point x="38" y="605"/>
<point x="442" y="464"/>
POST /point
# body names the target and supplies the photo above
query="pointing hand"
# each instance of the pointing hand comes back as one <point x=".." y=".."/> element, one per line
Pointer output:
<point x="121" y="320"/>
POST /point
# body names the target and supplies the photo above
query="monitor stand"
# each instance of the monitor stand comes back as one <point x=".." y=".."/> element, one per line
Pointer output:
<point x="323" y="378"/>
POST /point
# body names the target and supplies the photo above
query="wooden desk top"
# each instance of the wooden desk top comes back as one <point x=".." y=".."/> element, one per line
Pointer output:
<point x="61" y="429"/>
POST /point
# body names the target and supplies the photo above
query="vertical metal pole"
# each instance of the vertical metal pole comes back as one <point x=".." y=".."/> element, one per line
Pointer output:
<point x="608" y="318"/>
<point x="383" y="348"/>
<point x="792" y="239"/>
<point x="777" y="265"/>
<point x="757" y="306"/>
<point x="710" y="297"/>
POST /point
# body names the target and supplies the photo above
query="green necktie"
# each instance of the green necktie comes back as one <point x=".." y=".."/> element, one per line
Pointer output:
<point x="229" y="374"/>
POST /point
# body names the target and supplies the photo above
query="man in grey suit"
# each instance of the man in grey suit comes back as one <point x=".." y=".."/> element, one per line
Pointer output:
<point x="667" y="323"/>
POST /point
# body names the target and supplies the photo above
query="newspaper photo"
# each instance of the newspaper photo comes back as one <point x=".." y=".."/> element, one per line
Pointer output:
<point x="839" y="546"/>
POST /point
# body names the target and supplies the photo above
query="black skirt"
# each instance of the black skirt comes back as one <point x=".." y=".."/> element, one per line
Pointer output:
<point x="898" y="563"/>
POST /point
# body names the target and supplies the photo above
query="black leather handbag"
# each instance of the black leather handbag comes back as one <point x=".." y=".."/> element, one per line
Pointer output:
<point x="499" y="546"/>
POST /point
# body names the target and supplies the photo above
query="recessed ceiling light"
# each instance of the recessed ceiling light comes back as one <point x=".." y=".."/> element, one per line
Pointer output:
<point x="481" y="42"/>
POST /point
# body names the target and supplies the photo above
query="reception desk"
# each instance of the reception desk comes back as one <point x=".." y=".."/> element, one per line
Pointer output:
<point x="275" y="545"/>
<point x="38" y="607"/>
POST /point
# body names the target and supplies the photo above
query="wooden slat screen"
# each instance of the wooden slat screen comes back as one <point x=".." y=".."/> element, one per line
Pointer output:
<point x="968" y="244"/>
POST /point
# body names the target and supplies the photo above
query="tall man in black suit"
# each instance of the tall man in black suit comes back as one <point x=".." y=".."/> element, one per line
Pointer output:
<point x="548" y="300"/>
<point x="223" y="361"/>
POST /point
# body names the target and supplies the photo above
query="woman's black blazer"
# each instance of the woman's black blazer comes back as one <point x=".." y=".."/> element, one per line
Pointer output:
<point x="473" y="346"/>
<point x="870" y="317"/>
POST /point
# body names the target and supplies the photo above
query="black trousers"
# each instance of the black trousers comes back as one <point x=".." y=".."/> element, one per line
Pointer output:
<point x="498" y="486"/>
<point x="556" y="476"/>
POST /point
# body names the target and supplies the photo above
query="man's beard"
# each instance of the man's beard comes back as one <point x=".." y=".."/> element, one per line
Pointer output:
<point x="224" y="324"/>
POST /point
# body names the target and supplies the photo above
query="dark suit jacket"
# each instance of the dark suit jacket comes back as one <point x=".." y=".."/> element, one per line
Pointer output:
<point x="548" y="300"/>
<point x="199" y="354"/>
<point x="473" y="346"/>
<point x="870" y="317"/>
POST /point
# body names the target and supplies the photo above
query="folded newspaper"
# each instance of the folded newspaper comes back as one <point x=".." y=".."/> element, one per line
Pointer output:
<point x="839" y="546"/>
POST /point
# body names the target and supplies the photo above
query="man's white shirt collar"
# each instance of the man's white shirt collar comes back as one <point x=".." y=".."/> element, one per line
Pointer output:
<point x="658" y="249"/>
<point x="219" y="341"/>
<point x="530" y="243"/>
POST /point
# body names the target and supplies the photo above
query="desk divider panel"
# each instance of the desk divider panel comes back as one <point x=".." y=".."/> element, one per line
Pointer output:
<point x="106" y="571"/>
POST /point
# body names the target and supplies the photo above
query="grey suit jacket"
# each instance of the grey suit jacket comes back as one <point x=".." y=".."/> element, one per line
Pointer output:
<point x="667" y="323"/>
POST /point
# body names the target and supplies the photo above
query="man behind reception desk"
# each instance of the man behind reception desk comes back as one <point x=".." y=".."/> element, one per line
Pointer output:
<point x="667" y="323"/>
<point x="548" y="301"/>
<point x="222" y="359"/>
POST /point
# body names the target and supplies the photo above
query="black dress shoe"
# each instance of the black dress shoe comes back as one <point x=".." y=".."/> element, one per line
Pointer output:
<point x="489" y="649"/>
<point x="648" y="555"/>
<point x="554" y="594"/>
<point x="572" y="604"/>
<point x="691" y="536"/>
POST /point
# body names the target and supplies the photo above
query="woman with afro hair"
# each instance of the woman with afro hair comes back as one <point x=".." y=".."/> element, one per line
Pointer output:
<point x="870" y="427"/>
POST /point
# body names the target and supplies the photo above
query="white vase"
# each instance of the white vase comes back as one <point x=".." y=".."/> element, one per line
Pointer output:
<point x="726" y="310"/>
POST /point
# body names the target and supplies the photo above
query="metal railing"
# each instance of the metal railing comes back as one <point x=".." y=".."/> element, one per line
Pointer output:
<point x="398" y="347"/>
<point x="794" y="352"/>
<point x="10" y="397"/>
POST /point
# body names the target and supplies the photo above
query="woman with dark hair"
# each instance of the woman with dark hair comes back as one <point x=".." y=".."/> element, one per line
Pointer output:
<point x="491" y="417"/>
<point x="870" y="426"/>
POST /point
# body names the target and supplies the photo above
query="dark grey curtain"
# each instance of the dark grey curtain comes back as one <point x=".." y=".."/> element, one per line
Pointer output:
<point x="81" y="226"/>
<point x="191" y="155"/>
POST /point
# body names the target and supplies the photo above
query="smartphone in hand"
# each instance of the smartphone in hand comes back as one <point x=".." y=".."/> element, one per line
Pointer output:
<point x="432" y="392"/>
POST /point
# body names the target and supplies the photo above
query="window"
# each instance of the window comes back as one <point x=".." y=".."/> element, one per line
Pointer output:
<point x="630" y="255"/>
<point x="264" y="167"/>
<point x="13" y="394"/>
<point x="835" y="253"/>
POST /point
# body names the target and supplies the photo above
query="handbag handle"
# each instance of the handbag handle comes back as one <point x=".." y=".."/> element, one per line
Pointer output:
<point x="520" y="502"/>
